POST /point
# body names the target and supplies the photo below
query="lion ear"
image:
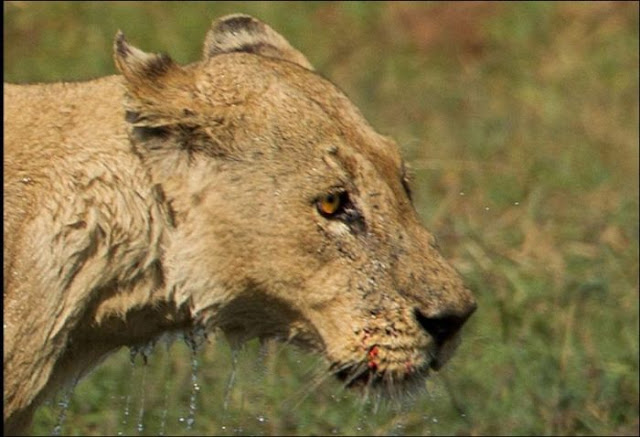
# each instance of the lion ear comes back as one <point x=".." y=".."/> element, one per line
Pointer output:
<point x="138" y="67"/>
<point x="159" y="105"/>
<point x="243" y="33"/>
<point x="153" y="81"/>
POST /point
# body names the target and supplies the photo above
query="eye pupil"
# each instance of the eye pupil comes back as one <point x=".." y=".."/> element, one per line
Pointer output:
<point x="329" y="204"/>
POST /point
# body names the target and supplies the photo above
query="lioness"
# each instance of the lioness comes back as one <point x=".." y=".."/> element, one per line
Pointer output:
<point x="243" y="192"/>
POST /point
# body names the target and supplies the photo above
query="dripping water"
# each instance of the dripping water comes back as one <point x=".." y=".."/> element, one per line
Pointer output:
<point x="133" y="352"/>
<point x="232" y="378"/>
<point x="261" y="372"/>
<point x="263" y="357"/>
<point x="145" y="352"/>
<point x="229" y="387"/>
<point x="167" y="380"/>
<point x="140" y="426"/>
<point x="194" y="339"/>
<point x="194" y="390"/>
<point x="64" y="407"/>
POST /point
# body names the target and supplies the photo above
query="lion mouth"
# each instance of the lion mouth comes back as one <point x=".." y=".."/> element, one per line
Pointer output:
<point x="396" y="376"/>
<point x="367" y="374"/>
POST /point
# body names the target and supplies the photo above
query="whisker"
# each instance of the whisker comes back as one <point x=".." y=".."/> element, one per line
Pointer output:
<point x="303" y="393"/>
<point x="358" y="370"/>
<point x="336" y="370"/>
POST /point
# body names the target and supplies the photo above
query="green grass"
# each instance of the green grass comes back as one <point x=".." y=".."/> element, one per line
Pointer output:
<point x="521" y="124"/>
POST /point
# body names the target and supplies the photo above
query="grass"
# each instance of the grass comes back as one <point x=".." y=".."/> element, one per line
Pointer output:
<point x="521" y="124"/>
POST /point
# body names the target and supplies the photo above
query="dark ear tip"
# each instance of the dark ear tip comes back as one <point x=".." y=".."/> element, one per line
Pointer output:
<point x="235" y="21"/>
<point x="120" y="44"/>
<point x="243" y="33"/>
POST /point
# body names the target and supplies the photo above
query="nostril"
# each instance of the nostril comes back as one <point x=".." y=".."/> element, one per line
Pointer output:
<point x="443" y="327"/>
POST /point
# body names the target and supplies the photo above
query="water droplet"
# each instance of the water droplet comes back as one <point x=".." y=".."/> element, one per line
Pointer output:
<point x="145" y="351"/>
<point x="398" y="429"/>
<point x="195" y="338"/>
<point x="140" y="426"/>
<point x="232" y="379"/>
<point x="191" y="419"/>
<point x="64" y="406"/>
<point x="133" y="351"/>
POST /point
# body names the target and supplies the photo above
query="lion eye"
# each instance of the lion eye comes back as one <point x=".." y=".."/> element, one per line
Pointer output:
<point x="331" y="204"/>
<point x="338" y="206"/>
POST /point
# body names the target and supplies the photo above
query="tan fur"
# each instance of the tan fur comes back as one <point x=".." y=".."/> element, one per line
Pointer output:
<point x="174" y="197"/>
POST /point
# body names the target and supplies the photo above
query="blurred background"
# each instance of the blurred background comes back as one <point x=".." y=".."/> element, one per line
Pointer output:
<point x="520" y="121"/>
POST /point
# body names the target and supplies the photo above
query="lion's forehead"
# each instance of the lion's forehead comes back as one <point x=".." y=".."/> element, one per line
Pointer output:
<point x="368" y="165"/>
<point x="293" y="104"/>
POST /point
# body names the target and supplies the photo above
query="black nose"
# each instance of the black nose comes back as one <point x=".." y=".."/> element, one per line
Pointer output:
<point x="443" y="327"/>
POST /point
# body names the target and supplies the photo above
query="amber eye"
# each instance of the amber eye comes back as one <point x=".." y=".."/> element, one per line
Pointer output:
<point x="330" y="204"/>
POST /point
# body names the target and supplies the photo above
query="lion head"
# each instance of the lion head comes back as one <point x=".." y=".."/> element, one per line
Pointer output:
<point x="292" y="217"/>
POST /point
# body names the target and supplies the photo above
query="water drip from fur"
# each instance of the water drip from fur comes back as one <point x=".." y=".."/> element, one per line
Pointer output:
<point x="167" y="384"/>
<point x="140" y="426"/>
<point x="194" y="339"/>
<point x="230" y="384"/>
<point x="232" y="378"/>
<point x="195" y="388"/>
<point x="64" y="407"/>
<point x="263" y="355"/>
<point x="133" y="352"/>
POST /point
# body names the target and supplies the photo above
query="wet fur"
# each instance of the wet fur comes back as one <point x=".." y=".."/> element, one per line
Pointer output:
<point x="171" y="197"/>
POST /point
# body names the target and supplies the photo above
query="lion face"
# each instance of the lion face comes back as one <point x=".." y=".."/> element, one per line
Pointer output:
<point x="293" y="217"/>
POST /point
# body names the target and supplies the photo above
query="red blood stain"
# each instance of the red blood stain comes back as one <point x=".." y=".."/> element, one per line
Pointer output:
<point x="408" y="366"/>
<point x="371" y="356"/>
<point x="373" y="352"/>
